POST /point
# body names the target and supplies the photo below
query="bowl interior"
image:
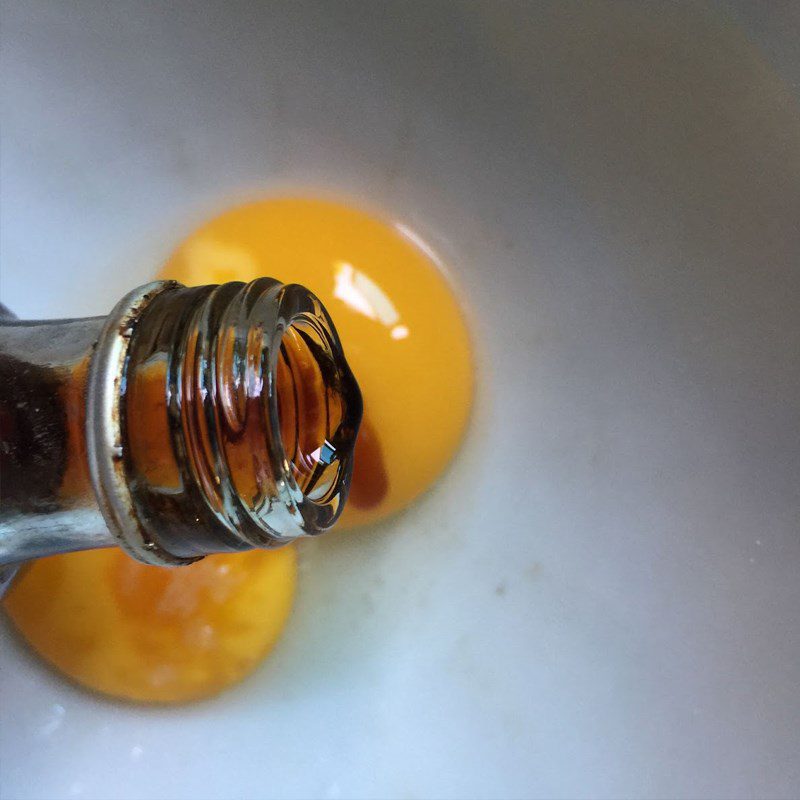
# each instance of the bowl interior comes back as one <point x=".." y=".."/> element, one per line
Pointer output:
<point x="601" y="595"/>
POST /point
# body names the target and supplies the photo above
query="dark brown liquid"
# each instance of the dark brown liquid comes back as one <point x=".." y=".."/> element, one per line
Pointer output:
<point x="370" y="481"/>
<point x="33" y="436"/>
<point x="43" y="466"/>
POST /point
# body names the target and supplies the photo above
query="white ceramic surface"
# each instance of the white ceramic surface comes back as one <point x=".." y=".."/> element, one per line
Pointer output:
<point x="602" y="597"/>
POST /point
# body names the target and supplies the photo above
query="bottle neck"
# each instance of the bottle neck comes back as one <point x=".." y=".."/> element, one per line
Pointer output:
<point x="46" y="499"/>
<point x="214" y="419"/>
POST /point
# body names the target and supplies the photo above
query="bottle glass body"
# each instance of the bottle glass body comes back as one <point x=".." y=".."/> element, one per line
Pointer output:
<point x="189" y="421"/>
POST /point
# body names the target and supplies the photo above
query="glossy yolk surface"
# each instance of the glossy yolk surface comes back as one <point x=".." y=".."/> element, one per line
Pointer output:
<point x="171" y="635"/>
<point x="154" y="634"/>
<point x="403" y="331"/>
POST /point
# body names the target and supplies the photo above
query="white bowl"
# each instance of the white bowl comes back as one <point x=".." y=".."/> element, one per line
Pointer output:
<point x="601" y="598"/>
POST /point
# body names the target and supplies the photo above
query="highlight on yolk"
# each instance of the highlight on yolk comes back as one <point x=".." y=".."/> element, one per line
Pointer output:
<point x="154" y="634"/>
<point x="404" y="334"/>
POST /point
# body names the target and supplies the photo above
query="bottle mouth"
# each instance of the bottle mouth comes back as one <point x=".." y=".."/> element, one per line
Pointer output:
<point x="285" y="411"/>
<point x="290" y="387"/>
<point x="224" y="418"/>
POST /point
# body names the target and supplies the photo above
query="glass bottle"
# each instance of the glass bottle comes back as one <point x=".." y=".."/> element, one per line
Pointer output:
<point x="189" y="421"/>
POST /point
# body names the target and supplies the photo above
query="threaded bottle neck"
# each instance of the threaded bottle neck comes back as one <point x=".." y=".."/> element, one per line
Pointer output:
<point x="237" y="421"/>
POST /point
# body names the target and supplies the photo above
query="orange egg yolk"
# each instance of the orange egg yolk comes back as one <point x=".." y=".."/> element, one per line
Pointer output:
<point x="154" y="634"/>
<point x="403" y="331"/>
<point x="171" y="635"/>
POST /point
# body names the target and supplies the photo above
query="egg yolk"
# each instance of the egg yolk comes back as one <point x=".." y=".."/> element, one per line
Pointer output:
<point x="153" y="634"/>
<point x="403" y="331"/>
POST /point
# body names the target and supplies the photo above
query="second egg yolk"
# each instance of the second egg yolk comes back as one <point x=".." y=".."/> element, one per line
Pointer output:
<point x="154" y="634"/>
